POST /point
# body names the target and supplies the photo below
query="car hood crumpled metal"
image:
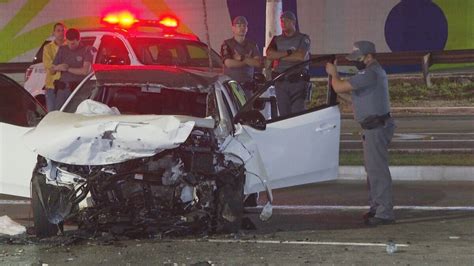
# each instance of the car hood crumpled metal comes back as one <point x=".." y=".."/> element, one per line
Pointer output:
<point x="81" y="139"/>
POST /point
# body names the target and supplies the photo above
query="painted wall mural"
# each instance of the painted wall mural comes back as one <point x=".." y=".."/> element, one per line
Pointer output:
<point x="333" y="25"/>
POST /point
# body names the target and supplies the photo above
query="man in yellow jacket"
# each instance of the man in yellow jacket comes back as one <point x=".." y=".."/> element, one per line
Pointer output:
<point x="49" y="53"/>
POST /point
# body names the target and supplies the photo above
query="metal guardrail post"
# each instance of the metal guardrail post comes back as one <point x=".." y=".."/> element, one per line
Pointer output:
<point x="425" y="67"/>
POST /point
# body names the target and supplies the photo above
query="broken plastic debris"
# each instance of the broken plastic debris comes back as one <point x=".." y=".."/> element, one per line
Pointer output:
<point x="267" y="212"/>
<point x="10" y="227"/>
<point x="391" y="247"/>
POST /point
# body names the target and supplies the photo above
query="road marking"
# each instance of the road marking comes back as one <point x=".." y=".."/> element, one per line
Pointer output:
<point x="296" y="242"/>
<point x="417" y="140"/>
<point x="342" y="207"/>
<point x="15" y="202"/>
<point x="419" y="133"/>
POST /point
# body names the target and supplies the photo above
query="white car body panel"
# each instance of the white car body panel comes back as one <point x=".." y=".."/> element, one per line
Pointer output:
<point x="16" y="161"/>
<point x="297" y="150"/>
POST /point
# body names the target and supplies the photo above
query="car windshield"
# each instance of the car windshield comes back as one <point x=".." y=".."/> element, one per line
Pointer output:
<point x="160" y="51"/>
<point x="142" y="99"/>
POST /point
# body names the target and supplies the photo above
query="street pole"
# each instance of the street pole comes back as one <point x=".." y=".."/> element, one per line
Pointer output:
<point x="272" y="28"/>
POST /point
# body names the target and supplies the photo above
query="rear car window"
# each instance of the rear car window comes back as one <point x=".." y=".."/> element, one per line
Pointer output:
<point x="160" y="51"/>
<point x="142" y="99"/>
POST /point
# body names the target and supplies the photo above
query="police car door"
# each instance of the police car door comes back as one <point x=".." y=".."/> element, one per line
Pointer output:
<point x="19" y="112"/>
<point x="300" y="148"/>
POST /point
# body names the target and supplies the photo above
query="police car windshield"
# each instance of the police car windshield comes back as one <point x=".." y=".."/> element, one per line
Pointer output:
<point x="179" y="52"/>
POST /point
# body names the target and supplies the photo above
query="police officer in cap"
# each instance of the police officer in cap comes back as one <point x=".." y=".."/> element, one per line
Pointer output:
<point x="286" y="50"/>
<point x="371" y="104"/>
<point x="240" y="55"/>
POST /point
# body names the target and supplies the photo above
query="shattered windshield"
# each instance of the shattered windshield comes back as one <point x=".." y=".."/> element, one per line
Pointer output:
<point x="142" y="99"/>
<point x="155" y="51"/>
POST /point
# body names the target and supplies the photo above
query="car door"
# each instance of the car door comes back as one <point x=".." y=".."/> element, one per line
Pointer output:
<point x="19" y="112"/>
<point x="297" y="149"/>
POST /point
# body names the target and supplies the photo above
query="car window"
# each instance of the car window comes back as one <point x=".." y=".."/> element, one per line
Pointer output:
<point x="160" y="51"/>
<point x="112" y="51"/>
<point x="142" y="99"/>
<point x="236" y="94"/>
<point x="39" y="55"/>
<point x="17" y="107"/>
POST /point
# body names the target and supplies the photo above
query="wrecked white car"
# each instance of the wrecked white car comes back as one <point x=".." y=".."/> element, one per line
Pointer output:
<point x="147" y="150"/>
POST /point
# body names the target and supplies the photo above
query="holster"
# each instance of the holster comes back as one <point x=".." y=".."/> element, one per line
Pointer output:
<point x="375" y="121"/>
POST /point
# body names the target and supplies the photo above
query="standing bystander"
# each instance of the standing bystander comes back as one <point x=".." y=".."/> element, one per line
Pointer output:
<point x="49" y="52"/>
<point x="74" y="62"/>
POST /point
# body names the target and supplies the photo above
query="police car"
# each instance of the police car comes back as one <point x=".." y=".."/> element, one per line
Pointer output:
<point x="125" y="40"/>
<point x="168" y="148"/>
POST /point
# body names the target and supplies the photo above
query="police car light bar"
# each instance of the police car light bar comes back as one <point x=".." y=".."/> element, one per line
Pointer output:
<point x="127" y="20"/>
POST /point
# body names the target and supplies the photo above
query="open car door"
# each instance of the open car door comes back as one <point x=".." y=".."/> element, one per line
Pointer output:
<point x="297" y="149"/>
<point x="19" y="112"/>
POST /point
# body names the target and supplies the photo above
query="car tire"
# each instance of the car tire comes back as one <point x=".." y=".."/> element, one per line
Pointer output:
<point x="43" y="227"/>
<point x="230" y="203"/>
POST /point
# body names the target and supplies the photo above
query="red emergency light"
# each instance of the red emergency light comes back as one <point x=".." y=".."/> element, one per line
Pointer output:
<point x="169" y="22"/>
<point x="123" y="19"/>
<point x="126" y="19"/>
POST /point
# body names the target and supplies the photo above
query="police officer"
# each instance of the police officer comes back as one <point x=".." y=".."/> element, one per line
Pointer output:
<point x="49" y="52"/>
<point x="371" y="104"/>
<point x="240" y="55"/>
<point x="74" y="61"/>
<point x="286" y="50"/>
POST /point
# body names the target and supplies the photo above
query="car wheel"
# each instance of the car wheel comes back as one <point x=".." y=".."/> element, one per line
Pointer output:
<point x="230" y="207"/>
<point x="43" y="227"/>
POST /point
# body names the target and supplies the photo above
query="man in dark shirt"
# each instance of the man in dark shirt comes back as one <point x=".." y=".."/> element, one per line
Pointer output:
<point x="287" y="50"/>
<point x="74" y="62"/>
<point x="240" y="55"/>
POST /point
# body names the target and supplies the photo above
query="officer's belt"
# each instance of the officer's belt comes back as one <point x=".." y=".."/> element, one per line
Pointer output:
<point x="375" y="121"/>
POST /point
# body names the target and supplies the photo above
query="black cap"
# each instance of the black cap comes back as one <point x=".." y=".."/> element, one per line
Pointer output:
<point x="288" y="15"/>
<point x="240" y="20"/>
<point x="360" y="49"/>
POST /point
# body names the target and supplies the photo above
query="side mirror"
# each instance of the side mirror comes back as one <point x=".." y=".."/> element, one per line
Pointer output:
<point x="252" y="118"/>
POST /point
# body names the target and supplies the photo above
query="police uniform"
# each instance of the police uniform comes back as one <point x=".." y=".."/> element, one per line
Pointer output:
<point x="243" y="75"/>
<point x="371" y="104"/>
<point x="290" y="93"/>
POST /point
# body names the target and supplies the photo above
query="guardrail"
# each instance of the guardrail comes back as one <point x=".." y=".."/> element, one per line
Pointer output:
<point x="423" y="58"/>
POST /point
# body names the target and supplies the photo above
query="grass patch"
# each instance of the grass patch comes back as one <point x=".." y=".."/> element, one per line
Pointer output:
<point x="403" y="158"/>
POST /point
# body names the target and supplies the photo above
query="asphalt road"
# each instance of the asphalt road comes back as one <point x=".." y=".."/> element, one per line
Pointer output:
<point x="419" y="133"/>
<point x="313" y="224"/>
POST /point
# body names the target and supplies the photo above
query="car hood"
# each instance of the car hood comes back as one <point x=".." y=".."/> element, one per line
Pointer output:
<point x="98" y="139"/>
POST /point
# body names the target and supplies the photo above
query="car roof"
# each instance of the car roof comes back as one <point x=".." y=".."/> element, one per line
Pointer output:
<point x="168" y="76"/>
<point x="138" y="33"/>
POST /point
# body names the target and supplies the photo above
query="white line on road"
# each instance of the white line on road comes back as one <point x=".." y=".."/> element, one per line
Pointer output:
<point x="15" y="202"/>
<point x="418" y="140"/>
<point x="422" y="133"/>
<point x="341" y="207"/>
<point x="297" y="242"/>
